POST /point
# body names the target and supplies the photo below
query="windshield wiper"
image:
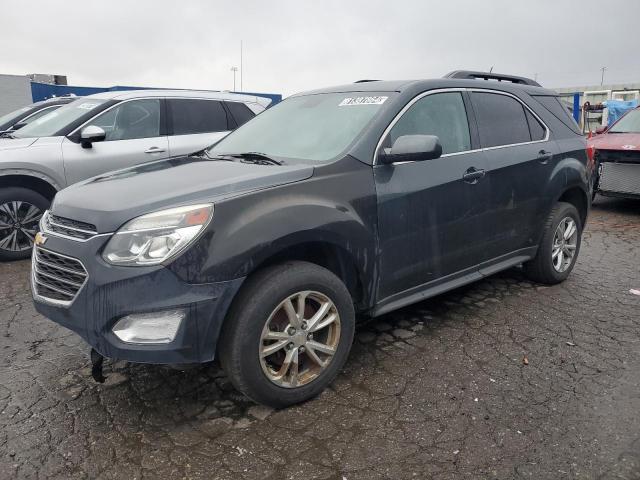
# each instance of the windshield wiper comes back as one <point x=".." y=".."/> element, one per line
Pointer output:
<point x="7" y="134"/>
<point x="257" y="157"/>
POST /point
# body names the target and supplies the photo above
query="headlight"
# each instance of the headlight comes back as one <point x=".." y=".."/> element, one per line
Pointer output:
<point x="153" y="238"/>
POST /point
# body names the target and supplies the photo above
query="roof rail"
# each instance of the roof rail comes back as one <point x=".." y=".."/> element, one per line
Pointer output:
<point x="365" y="81"/>
<point x="471" y="75"/>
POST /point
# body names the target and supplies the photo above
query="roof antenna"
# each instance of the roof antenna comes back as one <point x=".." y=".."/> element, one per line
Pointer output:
<point x="491" y="69"/>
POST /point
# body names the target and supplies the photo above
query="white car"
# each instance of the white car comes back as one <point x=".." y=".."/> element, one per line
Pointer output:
<point x="100" y="133"/>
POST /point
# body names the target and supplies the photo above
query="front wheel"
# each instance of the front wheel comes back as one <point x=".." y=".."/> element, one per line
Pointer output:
<point x="20" y="212"/>
<point x="559" y="247"/>
<point x="287" y="334"/>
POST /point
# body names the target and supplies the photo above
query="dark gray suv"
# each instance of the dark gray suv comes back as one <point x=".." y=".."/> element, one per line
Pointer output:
<point x="358" y="199"/>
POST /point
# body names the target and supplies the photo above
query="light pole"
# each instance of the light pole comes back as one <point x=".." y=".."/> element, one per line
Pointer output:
<point x="234" y="70"/>
<point x="602" y="77"/>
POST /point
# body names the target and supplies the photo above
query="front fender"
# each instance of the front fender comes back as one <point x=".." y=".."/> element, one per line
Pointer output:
<point x="57" y="184"/>
<point x="335" y="209"/>
<point x="41" y="159"/>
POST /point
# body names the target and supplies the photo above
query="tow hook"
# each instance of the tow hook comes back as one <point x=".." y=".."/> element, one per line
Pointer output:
<point x="96" y="366"/>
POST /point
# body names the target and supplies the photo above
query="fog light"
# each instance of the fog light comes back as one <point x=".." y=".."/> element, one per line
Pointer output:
<point x="154" y="327"/>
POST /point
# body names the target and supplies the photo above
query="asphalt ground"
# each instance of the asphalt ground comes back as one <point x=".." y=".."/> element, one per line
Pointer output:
<point x="501" y="379"/>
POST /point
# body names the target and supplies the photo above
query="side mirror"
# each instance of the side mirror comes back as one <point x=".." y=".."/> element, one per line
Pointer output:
<point x="412" y="148"/>
<point x="602" y="129"/>
<point x="91" y="134"/>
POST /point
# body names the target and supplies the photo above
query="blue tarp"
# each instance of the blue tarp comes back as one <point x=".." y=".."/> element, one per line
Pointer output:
<point x="617" y="108"/>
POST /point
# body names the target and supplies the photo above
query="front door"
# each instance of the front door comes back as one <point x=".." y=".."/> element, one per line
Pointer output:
<point x="430" y="212"/>
<point x="133" y="137"/>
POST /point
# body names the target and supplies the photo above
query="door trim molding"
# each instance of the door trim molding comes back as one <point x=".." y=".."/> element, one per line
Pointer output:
<point x="452" y="281"/>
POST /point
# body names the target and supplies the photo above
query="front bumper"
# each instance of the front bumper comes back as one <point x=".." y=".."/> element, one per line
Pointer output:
<point x="110" y="293"/>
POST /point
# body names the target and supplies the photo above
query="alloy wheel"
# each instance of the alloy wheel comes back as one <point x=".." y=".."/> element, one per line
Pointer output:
<point x="18" y="225"/>
<point x="565" y="241"/>
<point x="299" y="339"/>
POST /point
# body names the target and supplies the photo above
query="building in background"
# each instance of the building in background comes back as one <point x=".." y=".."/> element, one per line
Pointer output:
<point x="596" y="115"/>
<point x="17" y="91"/>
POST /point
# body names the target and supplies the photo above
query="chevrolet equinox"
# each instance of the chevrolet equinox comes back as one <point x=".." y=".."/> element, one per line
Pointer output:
<point x="358" y="199"/>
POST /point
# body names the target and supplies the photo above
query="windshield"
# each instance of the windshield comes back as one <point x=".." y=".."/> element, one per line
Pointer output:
<point x="312" y="127"/>
<point x="630" y="123"/>
<point x="9" y="118"/>
<point x="50" y="124"/>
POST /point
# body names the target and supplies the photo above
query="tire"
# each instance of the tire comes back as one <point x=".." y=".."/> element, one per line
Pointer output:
<point x="258" y="304"/>
<point x="27" y="202"/>
<point x="543" y="268"/>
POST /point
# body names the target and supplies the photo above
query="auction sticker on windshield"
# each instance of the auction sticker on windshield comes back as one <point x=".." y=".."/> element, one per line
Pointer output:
<point x="87" y="106"/>
<point x="350" y="101"/>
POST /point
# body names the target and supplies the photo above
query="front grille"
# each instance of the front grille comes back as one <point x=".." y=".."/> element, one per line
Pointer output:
<point x="57" y="277"/>
<point x="622" y="156"/>
<point x="620" y="178"/>
<point x="69" y="228"/>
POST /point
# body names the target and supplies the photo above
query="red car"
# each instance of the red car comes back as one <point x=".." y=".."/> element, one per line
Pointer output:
<point x="617" y="156"/>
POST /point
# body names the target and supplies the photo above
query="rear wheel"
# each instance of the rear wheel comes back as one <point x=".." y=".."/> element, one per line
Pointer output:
<point x="559" y="247"/>
<point x="20" y="212"/>
<point x="288" y="333"/>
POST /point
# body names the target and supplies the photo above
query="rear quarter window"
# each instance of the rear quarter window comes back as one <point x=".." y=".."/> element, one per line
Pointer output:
<point x="555" y="107"/>
<point x="240" y="112"/>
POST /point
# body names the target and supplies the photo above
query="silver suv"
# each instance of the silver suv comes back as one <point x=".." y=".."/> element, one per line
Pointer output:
<point x="100" y="133"/>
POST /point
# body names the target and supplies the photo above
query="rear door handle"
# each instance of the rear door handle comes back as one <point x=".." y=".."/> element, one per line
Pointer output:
<point x="544" y="156"/>
<point x="472" y="175"/>
<point x="154" y="150"/>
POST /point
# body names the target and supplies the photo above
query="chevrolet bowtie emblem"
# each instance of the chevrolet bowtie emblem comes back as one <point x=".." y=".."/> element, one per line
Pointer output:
<point x="40" y="239"/>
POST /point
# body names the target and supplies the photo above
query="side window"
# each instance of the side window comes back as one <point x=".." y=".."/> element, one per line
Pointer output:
<point x="241" y="113"/>
<point x="130" y="120"/>
<point x="501" y="119"/>
<point x="190" y="116"/>
<point x="555" y="107"/>
<point x="440" y="114"/>
<point x="537" y="130"/>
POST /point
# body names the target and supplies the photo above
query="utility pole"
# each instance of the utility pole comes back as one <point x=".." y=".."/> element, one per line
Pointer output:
<point x="602" y="78"/>
<point x="234" y="70"/>
<point x="241" y="69"/>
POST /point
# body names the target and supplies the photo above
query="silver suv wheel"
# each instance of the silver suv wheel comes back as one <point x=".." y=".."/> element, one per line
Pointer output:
<point x="564" y="244"/>
<point x="18" y="225"/>
<point x="299" y="339"/>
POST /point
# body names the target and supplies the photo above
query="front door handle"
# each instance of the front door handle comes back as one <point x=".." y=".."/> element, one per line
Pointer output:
<point x="154" y="150"/>
<point x="472" y="175"/>
<point x="544" y="156"/>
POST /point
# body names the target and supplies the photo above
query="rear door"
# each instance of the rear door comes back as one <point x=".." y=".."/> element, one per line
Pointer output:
<point x="133" y="136"/>
<point x="520" y="159"/>
<point x="430" y="212"/>
<point x="195" y="124"/>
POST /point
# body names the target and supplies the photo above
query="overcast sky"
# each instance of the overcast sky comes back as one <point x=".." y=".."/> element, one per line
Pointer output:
<point x="297" y="45"/>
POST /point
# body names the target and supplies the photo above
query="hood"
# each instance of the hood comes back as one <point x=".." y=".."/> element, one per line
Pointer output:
<point x="110" y="200"/>
<point x="616" y="141"/>
<point x="13" y="143"/>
